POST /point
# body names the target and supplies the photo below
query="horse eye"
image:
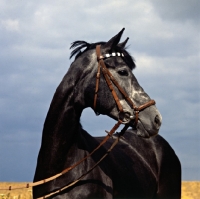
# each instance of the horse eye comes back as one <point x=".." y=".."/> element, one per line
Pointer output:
<point x="123" y="72"/>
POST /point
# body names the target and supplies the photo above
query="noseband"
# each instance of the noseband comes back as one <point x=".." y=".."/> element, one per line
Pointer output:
<point x="110" y="80"/>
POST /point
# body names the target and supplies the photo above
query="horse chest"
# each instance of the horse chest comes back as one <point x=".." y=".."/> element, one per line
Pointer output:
<point x="134" y="180"/>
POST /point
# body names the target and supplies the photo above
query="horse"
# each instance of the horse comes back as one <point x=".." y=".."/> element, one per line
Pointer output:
<point x="141" y="164"/>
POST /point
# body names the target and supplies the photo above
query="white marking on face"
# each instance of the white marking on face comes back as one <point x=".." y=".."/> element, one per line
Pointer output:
<point x="126" y="106"/>
<point x="138" y="94"/>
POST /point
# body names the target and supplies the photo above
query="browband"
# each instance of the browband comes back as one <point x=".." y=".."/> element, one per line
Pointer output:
<point x="107" y="55"/>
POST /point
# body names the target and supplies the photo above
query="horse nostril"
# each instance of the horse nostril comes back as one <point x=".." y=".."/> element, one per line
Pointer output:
<point x="157" y="120"/>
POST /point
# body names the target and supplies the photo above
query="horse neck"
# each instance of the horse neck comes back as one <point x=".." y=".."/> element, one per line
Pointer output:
<point x="61" y="131"/>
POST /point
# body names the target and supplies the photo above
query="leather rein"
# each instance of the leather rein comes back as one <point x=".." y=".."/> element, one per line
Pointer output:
<point x="110" y="80"/>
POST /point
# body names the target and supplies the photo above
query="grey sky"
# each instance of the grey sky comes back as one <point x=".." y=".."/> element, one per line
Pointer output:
<point x="35" y="37"/>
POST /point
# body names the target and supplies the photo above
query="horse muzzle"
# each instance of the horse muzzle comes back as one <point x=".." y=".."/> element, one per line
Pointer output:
<point x="146" y="122"/>
<point x="149" y="122"/>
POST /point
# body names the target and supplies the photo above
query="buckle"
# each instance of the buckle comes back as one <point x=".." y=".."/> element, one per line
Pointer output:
<point x="125" y="116"/>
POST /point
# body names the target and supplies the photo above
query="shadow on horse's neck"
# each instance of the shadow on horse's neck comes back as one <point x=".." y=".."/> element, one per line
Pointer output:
<point x="61" y="128"/>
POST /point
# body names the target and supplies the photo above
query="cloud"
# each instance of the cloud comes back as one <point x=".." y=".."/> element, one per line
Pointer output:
<point x="10" y="25"/>
<point x="178" y="10"/>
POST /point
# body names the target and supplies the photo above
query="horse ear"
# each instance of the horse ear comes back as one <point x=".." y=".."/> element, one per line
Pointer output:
<point x="123" y="44"/>
<point x="114" y="40"/>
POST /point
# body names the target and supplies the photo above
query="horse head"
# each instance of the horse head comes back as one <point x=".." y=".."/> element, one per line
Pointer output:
<point x="105" y="82"/>
<point x="72" y="164"/>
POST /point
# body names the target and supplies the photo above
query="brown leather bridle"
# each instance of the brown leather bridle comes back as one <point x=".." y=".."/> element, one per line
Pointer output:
<point x="110" y="80"/>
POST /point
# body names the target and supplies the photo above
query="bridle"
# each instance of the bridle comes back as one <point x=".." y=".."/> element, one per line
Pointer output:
<point x="110" y="80"/>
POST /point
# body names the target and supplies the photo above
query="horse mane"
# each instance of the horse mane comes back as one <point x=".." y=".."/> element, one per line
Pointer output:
<point x="78" y="47"/>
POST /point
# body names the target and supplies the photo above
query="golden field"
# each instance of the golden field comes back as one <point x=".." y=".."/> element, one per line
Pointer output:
<point x="190" y="190"/>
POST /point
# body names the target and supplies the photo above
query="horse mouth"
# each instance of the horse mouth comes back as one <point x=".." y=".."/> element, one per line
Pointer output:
<point x="141" y="131"/>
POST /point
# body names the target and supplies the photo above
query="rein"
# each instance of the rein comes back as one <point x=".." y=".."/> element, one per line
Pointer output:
<point x="119" y="135"/>
<point x="28" y="185"/>
<point x="110" y="80"/>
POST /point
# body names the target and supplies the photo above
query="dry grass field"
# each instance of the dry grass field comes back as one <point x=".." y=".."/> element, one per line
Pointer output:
<point x="15" y="194"/>
<point x="190" y="190"/>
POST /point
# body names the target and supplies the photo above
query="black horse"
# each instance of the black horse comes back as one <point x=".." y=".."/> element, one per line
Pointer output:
<point x="141" y="165"/>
